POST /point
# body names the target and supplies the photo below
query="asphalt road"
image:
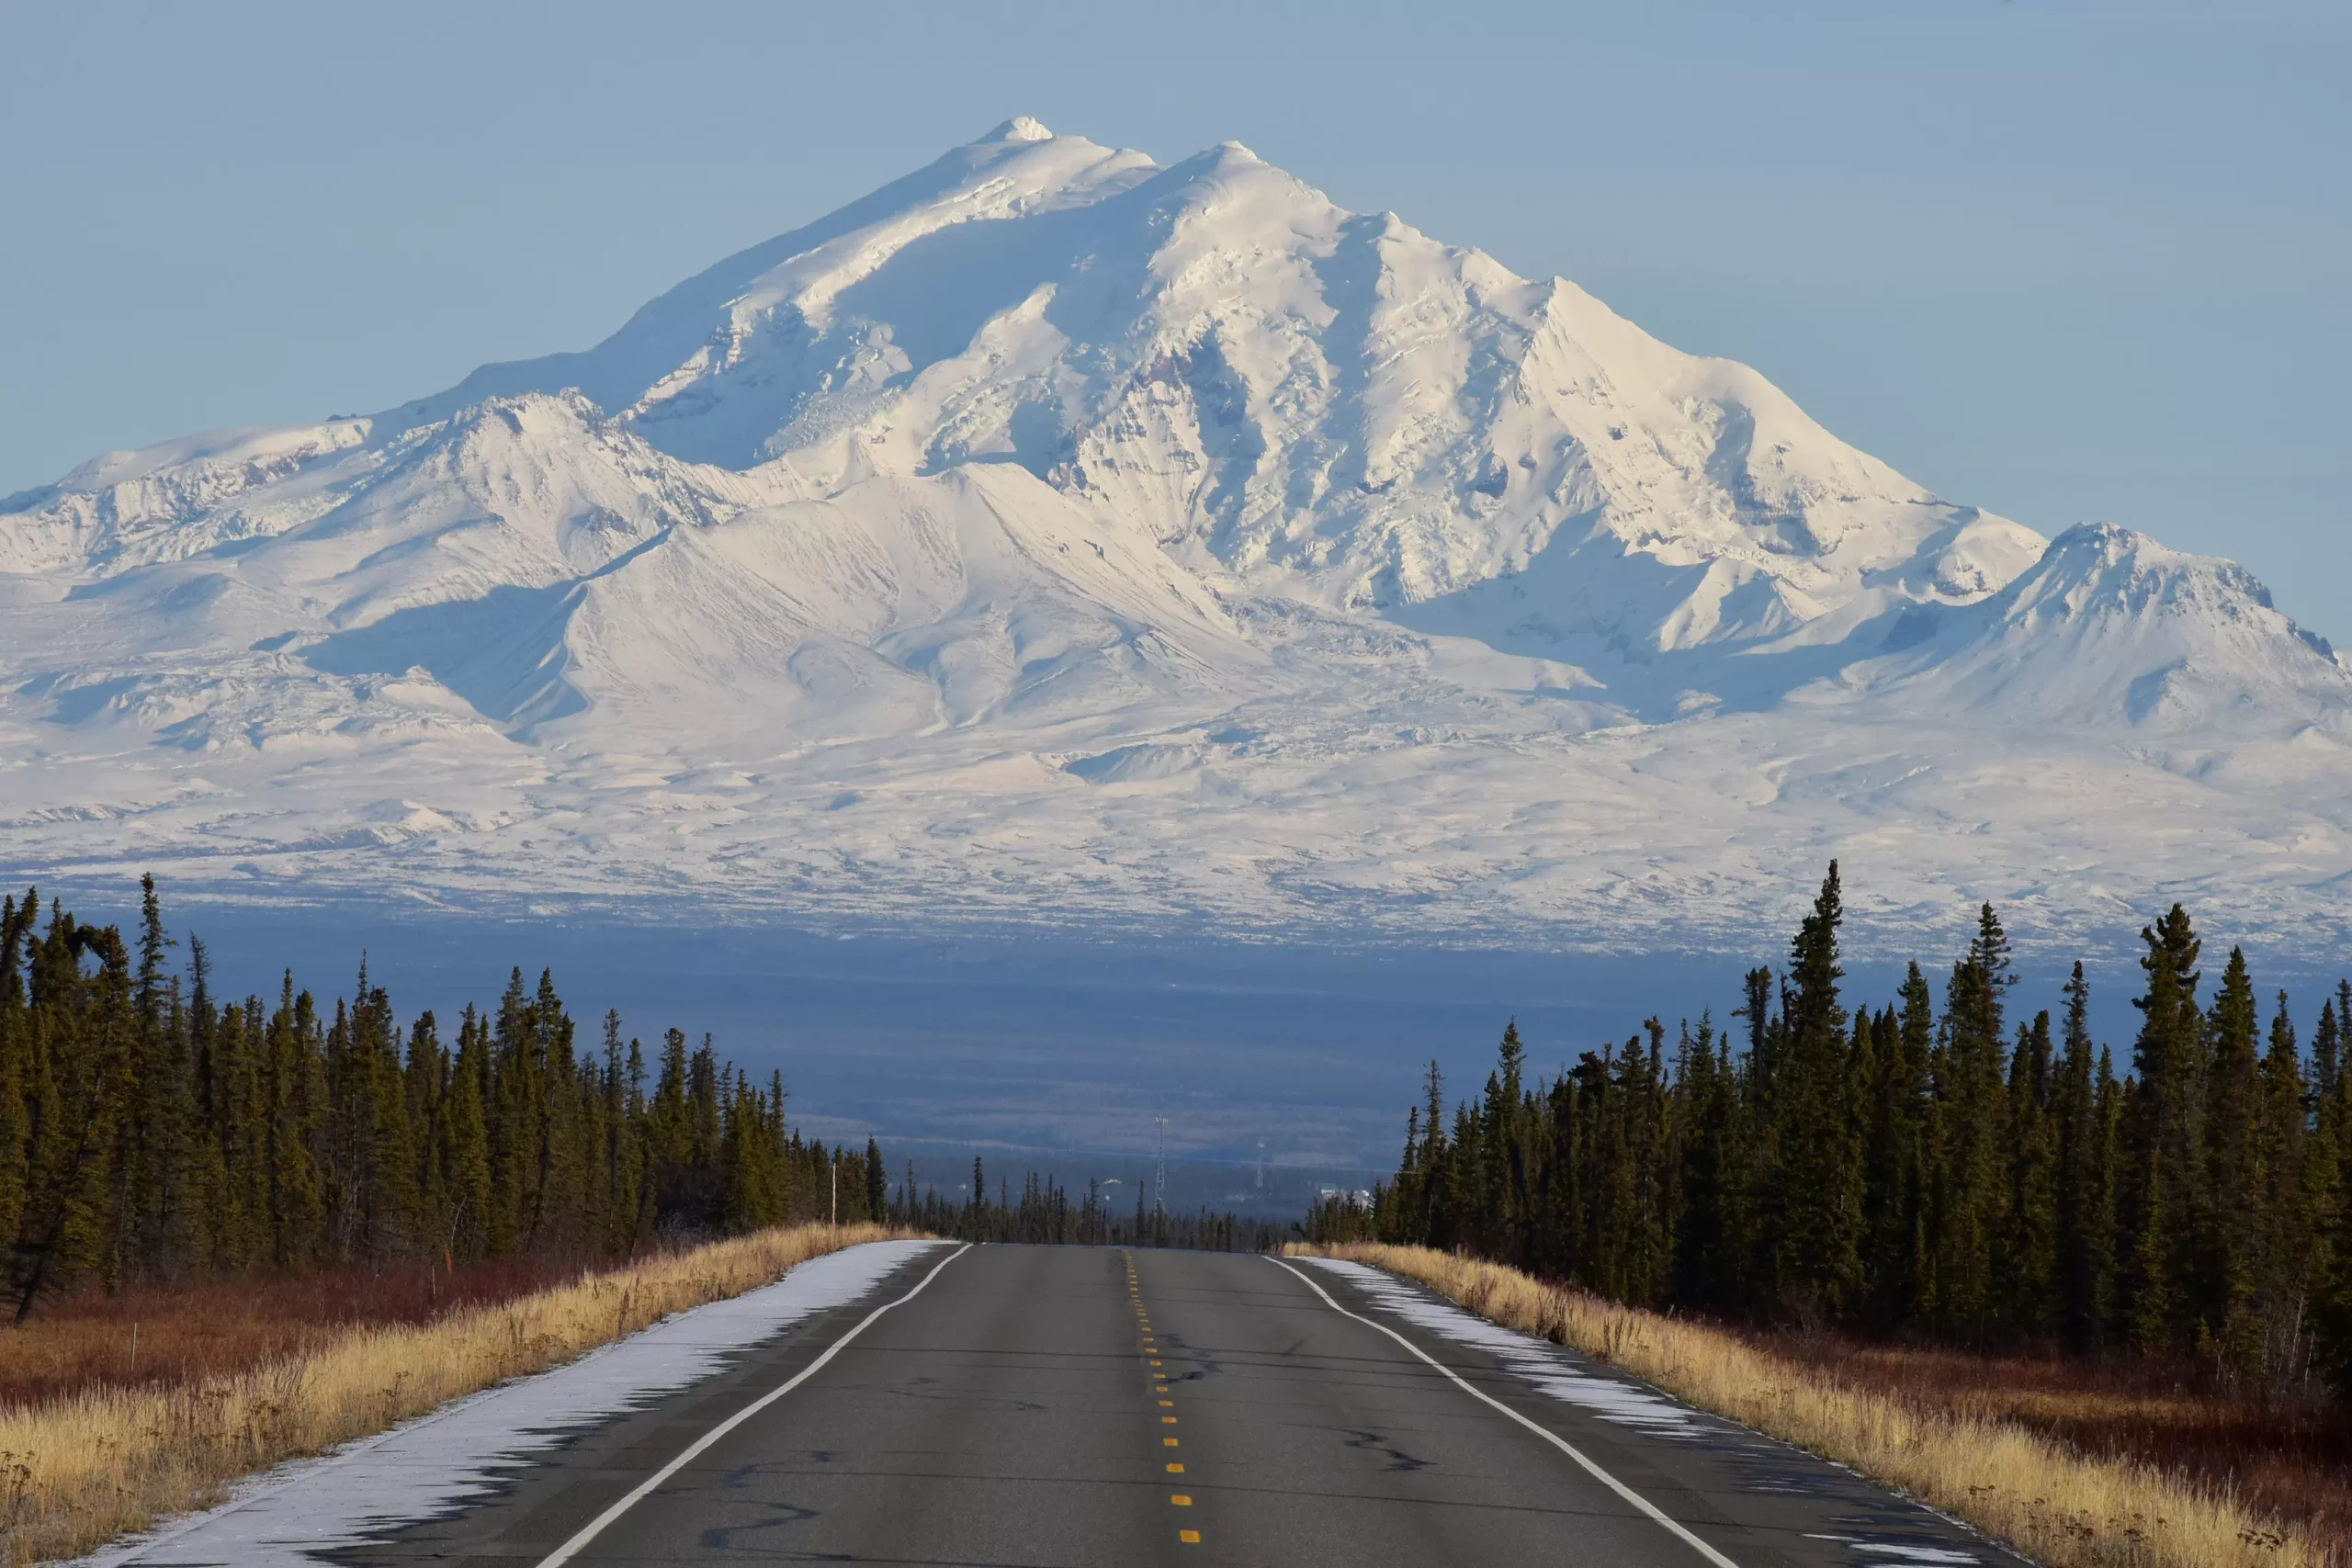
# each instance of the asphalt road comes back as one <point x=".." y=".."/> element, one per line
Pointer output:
<point x="1067" y="1406"/>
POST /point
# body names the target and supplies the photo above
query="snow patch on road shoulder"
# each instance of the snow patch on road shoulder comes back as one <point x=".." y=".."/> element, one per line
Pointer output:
<point x="292" y="1516"/>
<point x="1545" y="1368"/>
<point x="1540" y="1364"/>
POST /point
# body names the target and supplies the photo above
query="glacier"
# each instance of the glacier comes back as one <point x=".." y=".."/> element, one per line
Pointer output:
<point x="1059" y="539"/>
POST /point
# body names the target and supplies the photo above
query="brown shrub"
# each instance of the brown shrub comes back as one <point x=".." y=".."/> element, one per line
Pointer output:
<point x="149" y="1335"/>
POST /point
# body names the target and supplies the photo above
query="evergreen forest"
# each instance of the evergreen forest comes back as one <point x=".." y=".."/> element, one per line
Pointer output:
<point x="1938" y="1168"/>
<point x="1042" y="1214"/>
<point x="152" y="1130"/>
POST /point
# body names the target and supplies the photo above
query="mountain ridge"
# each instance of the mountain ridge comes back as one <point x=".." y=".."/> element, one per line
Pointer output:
<point x="1013" y="526"/>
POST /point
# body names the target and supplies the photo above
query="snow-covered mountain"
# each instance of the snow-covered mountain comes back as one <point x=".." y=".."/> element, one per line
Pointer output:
<point x="1057" y="535"/>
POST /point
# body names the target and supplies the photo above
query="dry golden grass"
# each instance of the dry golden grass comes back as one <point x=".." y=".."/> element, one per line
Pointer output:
<point x="77" y="1471"/>
<point x="162" y="1335"/>
<point x="2282" y="1450"/>
<point x="2054" y="1504"/>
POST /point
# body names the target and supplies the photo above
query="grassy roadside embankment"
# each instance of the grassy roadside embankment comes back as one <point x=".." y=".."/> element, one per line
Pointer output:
<point x="79" y="1469"/>
<point x="2052" y="1503"/>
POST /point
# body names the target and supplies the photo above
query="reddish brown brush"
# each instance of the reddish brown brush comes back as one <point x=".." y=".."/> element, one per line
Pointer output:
<point x="2286" y="1454"/>
<point x="155" y="1334"/>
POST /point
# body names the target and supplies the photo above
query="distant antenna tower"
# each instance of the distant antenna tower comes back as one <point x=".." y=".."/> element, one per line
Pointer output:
<point x="1159" y="1197"/>
<point x="1261" y="1165"/>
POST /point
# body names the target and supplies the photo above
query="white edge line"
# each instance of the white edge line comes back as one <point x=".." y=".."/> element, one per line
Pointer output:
<point x="1672" y="1526"/>
<point x="595" y="1527"/>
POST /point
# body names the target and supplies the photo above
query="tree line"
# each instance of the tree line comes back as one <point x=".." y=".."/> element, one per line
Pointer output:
<point x="1929" y="1169"/>
<point x="150" y="1129"/>
<point x="1042" y="1214"/>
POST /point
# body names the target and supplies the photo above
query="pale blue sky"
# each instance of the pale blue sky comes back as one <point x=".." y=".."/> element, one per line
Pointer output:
<point x="2059" y="260"/>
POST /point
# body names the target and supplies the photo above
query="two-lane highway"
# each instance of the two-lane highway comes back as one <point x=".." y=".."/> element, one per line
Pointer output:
<point x="1065" y="1405"/>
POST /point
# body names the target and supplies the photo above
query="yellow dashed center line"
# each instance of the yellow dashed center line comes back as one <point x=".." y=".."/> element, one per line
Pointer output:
<point x="1160" y="1386"/>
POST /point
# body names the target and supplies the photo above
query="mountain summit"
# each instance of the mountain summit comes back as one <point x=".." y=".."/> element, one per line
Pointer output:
<point x="1050" y="513"/>
<point x="1284" y="393"/>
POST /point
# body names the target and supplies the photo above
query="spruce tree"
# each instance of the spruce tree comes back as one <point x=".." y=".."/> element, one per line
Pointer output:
<point x="622" y="1088"/>
<point x="1504" y="1175"/>
<point x="1708" y="1243"/>
<point x="2324" y="1189"/>
<point x="515" y="1113"/>
<point x="2328" y="1053"/>
<point x="2222" y="1277"/>
<point x="216" y="1240"/>
<point x="243" y="1135"/>
<point x="2083" y="1194"/>
<point x="1426" y="1226"/>
<point x="1811" y="1196"/>
<point x="154" y="1229"/>
<point x="296" y="1097"/>
<point x="18" y="1093"/>
<point x="2161" y="1183"/>
<point x="2027" y="1252"/>
<point x="701" y="1104"/>
<point x="83" y="1070"/>
<point x="1911" y="1283"/>
<point x="473" y="1217"/>
<point x="424" y="1090"/>
<point x="1972" y="1093"/>
<point x="2282" y="1287"/>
